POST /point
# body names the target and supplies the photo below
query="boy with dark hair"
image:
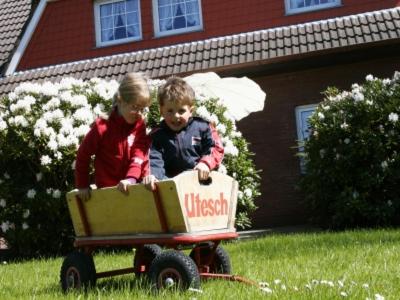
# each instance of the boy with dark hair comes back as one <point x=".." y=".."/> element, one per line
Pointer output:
<point x="181" y="142"/>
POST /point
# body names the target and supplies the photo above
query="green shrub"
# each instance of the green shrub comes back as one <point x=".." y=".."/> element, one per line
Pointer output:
<point x="41" y="126"/>
<point x="352" y="156"/>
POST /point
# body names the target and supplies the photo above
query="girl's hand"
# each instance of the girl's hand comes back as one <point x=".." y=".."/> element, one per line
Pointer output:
<point x="84" y="194"/>
<point x="124" y="183"/>
<point x="150" y="182"/>
<point x="204" y="171"/>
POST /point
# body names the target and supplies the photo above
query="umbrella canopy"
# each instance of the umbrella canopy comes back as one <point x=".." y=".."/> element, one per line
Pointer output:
<point x="241" y="96"/>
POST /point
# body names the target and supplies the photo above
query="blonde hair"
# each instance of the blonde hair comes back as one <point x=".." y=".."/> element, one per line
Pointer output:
<point x="176" y="90"/>
<point x="133" y="88"/>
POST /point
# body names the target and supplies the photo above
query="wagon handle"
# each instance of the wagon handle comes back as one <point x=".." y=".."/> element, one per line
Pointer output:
<point x="160" y="208"/>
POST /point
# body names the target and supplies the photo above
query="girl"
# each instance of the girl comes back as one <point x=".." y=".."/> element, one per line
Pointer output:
<point x="120" y="144"/>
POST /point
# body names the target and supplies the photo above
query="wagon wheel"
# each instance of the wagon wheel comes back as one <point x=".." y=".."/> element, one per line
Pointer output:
<point x="220" y="262"/>
<point x="77" y="271"/>
<point x="173" y="269"/>
<point x="144" y="257"/>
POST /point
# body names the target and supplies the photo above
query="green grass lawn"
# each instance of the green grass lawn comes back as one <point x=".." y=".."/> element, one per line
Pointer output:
<point x="347" y="265"/>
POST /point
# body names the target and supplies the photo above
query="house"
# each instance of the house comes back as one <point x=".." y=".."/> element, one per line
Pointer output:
<point x="293" y="49"/>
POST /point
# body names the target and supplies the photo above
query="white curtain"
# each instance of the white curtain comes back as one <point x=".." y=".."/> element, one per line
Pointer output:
<point x="193" y="12"/>
<point x="168" y="10"/>
<point x="107" y="22"/>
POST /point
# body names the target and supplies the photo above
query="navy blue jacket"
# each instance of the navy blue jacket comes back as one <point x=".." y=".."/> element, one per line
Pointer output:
<point x="174" y="152"/>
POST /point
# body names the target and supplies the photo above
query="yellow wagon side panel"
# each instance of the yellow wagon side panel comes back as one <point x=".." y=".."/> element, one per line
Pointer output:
<point x="109" y="212"/>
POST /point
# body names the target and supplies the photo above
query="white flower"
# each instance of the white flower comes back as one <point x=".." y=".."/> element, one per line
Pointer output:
<point x="49" y="191"/>
<point x="277" y="281"/>
<point x="230" y="148"/>
<point x="384" y="164"/>
<point x="26" y="213"/>
<point x="369" y="102"/>
<point x="369" y="77"/>
<point x="82" y="130"/>
<point x="31" y="194"/>
<point x="6" y="175"/>
<point x="221" y="128"/>
<point x="321" y="116"/>
<point x="344" y="125"/>
<point x="52" y="144"/>
<point x="358" y="96"/>
<point x="379" y="297"/>
<point x="389" y="203"/>
<point x="45" y="160"/>
<point x="386" y="81"/>
<point x="365" y="286"/>
<point x="3" y="203"/>
<point x="340" y="282"/>
<point x="56" y="194"/>
<point x="39" y="176"/>
<point x="19" y="121"/>
<point x="5" y="226"/>
<point x="343" y="294"/>
<point x="266" y="290"/>
<point x="3" y="125"/>
<point x="249" y="193"/>
<point x="322" y="153"/>
<point x="25" y="226"/>
<point x="222" y="169"/>
<point x="52" y="103"/>
<point x="346" y="141"/>
<point x="202" y="112"/>
<point x="393" y="117"/>
<point x="84" y="115"/>
<point x="78" y="100"/>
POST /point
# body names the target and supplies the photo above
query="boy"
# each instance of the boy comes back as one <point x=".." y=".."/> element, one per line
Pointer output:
<point x="181" y="142"/>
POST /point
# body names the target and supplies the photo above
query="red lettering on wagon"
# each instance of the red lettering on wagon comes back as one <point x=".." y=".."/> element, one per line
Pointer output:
<point x="196" y="207"/>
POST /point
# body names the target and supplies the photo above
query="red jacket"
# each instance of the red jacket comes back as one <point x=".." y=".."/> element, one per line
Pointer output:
<point x="120" y="150"/>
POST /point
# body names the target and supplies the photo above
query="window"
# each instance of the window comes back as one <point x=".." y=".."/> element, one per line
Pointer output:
<point x="302" y="115"/>
<point x="117" y="21"/>
<point x="176" y="16"/>
<point x="296" y="6"/>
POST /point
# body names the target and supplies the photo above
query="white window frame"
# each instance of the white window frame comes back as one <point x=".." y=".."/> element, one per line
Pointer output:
<point x="156" y="23"/>
<point x="99" y="43"/>
<point x="301" y="124"/>
<point x="290" y="11"/>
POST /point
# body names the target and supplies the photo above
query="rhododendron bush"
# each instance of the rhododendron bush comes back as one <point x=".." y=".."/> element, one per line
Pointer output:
<point x="41" y="126"/>
<point x="353" y="156"/>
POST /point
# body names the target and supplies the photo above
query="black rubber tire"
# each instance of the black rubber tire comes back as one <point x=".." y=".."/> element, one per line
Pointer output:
<point x="149" y="253"/>
<point x="174" y="269"/>
<point x="77" y="272"/>
<point x="221" y="264"/>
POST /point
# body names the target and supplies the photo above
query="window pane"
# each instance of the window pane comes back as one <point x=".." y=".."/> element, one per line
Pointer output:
<point x="105" y="10"/>
<point x="133" y="31"/>
<point x="119" y="8"/>
<point x="106" y="23"/>
<point x="179" y="22"/>
<point x="119" y="21"/>
<point x="193" y="20"/>
<point x="179" y="10"/>
<point x="107" y="35"/>
<point x="132" y="18"/>
<point x="120" y="32"/>
<point x="163" y="2"/>
<point x="131" y="5"/>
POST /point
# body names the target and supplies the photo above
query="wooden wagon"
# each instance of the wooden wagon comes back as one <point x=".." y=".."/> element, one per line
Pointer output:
<point x="181" y="213"/>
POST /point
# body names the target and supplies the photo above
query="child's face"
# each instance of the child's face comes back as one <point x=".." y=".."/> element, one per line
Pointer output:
<point x="131" y="112"/>
<point x="176" y="115"/>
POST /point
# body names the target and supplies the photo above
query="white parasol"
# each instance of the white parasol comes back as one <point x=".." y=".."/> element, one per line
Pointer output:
<point x="241" y="96"/>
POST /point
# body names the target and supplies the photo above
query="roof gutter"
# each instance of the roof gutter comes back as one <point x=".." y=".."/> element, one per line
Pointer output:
<point x="12" y="66"/>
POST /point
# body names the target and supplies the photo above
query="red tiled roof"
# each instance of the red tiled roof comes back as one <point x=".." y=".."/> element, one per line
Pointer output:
<point x="250" y="47"/>
<point x="13" y="16"/>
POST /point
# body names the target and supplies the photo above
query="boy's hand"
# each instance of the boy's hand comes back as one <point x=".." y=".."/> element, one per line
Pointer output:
<point x="204" y="171"/>
<point x="84" y="194"/>
<point x="150" y="182"/>
<point x="124" y="183"/>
